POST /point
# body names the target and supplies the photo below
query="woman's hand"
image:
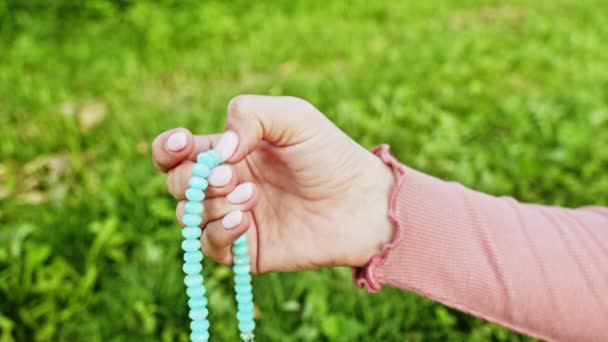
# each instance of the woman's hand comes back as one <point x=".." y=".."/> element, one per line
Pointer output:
<point x="307" y="195"/>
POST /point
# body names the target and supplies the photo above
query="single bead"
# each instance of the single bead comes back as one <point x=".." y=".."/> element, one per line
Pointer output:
<point x="199" y="325"/>
<point x="241" y="259"/>
<point x="192" y="267"/>
<point x="193" y="279"/>
<point x="241" y="269"/>
<point x="244" y="297"/>
<point x="207" y="159"/>
<point x="190" y="245"/>
<point x="191" y="232"/>
<point x="242" y="278"/>
<point x="240" y="250"/>
<point x="201" y="170"/>
<point x="243" y="288"/>
<point x="198" y="314"/>
<point x="199" y="336"/>
<point x="197" y="303"/>
<point x="191" y="220"/>
<point x="247" y="327"/>
<point x="215" y="156"/>
<point x="243" y="316"/>
<point x="196" y="291"/>
<point x="194" y="208"/>
<point x="241" y="240"/>
<point x="246" y="306"/>
<point x="198" y="183"/>
<point x="247" y="309"/>
<point x="202" y="158"/>
<point x="195" y="194"/>
<point x="193" y="256"/>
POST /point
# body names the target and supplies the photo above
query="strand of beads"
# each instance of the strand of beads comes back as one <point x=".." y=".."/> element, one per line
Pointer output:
<point x="193" y="257"/>
<point x="243" y="288"/>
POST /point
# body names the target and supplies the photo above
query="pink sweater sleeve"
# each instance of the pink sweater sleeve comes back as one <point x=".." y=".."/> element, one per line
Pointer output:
<point x="539" y="270"/>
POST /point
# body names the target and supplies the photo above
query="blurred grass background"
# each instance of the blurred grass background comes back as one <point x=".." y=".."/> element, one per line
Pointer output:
<point x="508" y="99"/>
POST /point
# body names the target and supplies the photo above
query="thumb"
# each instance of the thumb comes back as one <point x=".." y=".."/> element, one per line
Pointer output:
<point x="280" y="120"/>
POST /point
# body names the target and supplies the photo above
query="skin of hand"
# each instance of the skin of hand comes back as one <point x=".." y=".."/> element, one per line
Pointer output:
<point x="307" y="195"/>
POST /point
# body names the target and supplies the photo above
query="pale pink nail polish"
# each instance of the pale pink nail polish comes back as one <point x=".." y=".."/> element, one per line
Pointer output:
<point x="241" y="194"/>
<point x="177" y="141"/>
<point x="227" y="144"/>
<point x="220" y="176"/>
<point x="232" y="219"/>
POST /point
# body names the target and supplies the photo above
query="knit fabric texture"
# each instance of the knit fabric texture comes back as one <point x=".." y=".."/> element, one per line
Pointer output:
<point x="539" y="270"/>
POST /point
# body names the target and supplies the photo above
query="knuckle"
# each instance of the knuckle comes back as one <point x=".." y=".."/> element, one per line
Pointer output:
<point x="225" y="259"/>
<point x="179" y="212"/>
<point x="209" y="250"/>
<point x="154" y="148"/>
<point x="205" y="249"/>
<point x="210" y="205"/>
<point x="204" y="219"/>
<point x="237" y="106"/>
<point x="171" y="183"/>
<point x="302" y="103"/>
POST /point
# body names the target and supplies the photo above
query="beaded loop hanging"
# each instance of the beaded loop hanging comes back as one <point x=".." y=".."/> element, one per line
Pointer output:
<point x="193" y="258"/>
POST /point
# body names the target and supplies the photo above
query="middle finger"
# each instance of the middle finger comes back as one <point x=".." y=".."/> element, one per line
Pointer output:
<point x="222" y="180"/>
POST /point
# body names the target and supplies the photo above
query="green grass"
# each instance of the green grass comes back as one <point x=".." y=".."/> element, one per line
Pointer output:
<point x="505" y="99"/>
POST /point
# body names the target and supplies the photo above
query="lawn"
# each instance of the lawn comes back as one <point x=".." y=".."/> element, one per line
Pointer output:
<point x="507" y="99"/>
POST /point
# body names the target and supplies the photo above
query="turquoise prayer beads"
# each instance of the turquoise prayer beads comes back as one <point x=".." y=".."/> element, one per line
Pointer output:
<point x="243" y="289"/>
<point x="193" y="258"/>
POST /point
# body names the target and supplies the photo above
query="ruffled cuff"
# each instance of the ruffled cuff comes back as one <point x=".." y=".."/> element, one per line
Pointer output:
<point x="366" y="276"/>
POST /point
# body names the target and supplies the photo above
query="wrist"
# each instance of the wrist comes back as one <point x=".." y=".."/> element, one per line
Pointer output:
<point x="375" y="228"/>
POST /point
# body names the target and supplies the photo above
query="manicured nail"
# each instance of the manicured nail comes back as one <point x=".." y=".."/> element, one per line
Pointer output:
<point x="177" y="141"/>
<point x="227" y="144"/>
<point x="233" y="219"/>
<point x="220" y="176"/>
<point x="241" y="194"/>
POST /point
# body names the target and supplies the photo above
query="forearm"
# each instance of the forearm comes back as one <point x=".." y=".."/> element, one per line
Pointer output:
<point x="540" y="270"/>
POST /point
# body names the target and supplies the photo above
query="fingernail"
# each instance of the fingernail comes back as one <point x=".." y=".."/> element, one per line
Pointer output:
<point x="227" y="144"/>
<point x="177" y="141"/>
<point x="220" y="176"/>
<point x="241" y="194"/>
<point x="233" y="219"/>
